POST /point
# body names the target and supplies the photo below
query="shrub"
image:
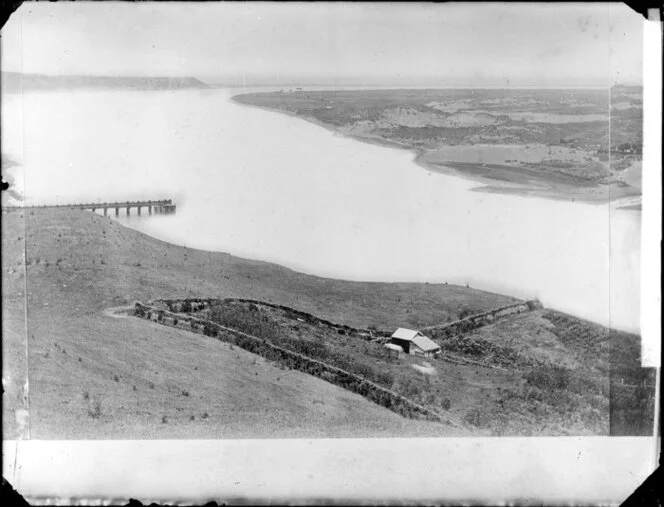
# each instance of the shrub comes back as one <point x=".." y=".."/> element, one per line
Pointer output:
<point x="408" y="388"/>
<point x="209" y="330"/>
<point x="548" y="377"/>
<point x="94" y="408"/>
<point x="475" y="417"/>
<point x="446" y="403"/>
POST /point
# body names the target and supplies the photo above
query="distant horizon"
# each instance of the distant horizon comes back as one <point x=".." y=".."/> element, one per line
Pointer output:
<point x="453" y="45"/>
<point x="230" y="82"/>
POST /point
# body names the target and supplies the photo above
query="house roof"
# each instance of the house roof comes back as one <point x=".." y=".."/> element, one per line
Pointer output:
<point x="405" y="334"/>
<point x="416" y="337"/>
<point x="425" y="343"/>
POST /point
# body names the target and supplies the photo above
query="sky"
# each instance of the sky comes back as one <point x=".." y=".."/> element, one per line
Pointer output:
<point x="492" y="44"/>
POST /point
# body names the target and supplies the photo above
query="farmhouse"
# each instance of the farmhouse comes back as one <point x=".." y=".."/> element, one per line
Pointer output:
<point x="413" y="342"/>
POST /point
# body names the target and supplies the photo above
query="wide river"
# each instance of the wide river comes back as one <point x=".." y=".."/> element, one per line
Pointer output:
<point x="268" y="186"/>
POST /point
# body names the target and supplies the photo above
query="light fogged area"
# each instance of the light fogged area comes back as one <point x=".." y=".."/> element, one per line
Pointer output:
<point x="454" y="44"/>
<point x="268" y="186"/>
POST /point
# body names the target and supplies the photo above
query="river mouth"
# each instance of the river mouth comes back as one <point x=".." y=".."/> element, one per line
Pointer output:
<point x="268" y="186"/>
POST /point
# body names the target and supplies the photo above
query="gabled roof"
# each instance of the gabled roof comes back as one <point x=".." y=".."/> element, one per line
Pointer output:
<point x="416" y="337"/>
<point x="425" y="343"/>
<point x="405" y="334"/>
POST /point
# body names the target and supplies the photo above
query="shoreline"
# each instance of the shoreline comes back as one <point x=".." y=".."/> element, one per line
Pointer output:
<point x="594" y="193"/>
<point x="322" y="278"/>
<point x="589" y="194"/>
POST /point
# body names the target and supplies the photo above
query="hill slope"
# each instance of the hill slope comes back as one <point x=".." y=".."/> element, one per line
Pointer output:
<point x="97" y="376"/>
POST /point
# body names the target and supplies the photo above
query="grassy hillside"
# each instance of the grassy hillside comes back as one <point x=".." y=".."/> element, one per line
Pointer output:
<point x="577" y="377"/>
<point x="68" y="267"/>
<point x="94" y="374"/>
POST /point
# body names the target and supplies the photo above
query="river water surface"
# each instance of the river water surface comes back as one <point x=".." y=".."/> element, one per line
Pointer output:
<point x="268" y="186"/>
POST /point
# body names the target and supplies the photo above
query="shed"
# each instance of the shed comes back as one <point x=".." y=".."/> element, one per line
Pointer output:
<point x="414" y="342"/>
<point x="394" y="350"/>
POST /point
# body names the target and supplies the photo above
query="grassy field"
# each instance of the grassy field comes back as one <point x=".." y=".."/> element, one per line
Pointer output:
<point x="582" y="123"/>
<point x="68" y="267"/>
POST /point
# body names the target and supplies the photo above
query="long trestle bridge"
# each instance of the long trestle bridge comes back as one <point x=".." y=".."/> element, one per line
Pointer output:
<point x="160" y="207"/>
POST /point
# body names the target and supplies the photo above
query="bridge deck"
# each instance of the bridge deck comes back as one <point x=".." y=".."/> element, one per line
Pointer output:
<point x="161" y="205"/>
<point x="97" y="205"/>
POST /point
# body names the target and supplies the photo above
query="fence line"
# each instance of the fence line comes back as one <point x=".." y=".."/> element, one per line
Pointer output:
<point x="467" y="324"/>
<point x="471" y="321"/>
<point x="202" y="303"/>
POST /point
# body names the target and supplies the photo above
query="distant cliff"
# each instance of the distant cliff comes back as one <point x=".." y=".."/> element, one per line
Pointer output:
<point x="13" y="82"/>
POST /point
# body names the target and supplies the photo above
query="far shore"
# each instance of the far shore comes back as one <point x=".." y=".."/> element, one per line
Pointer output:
<point x="502" y="179"/>
<point x="510" y="180"/>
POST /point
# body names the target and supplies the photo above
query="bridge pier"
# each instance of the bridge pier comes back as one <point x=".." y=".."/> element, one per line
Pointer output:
<point x="139" y="211"/>
<point x="150" y="210"/>
<point x="105" y="211"/>
<point x="128" y="210"/>
<point x="117" y="211"/>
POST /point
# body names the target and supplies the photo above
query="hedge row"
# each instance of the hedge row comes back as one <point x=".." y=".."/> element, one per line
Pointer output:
<point x="194" y="304"/>
<point x="442" y="331"/>
<point x="472" y="322"/>
<point x="247" y="317"/>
